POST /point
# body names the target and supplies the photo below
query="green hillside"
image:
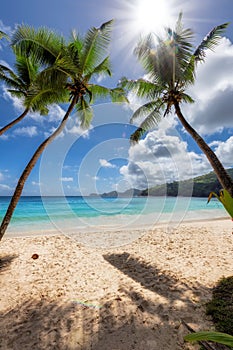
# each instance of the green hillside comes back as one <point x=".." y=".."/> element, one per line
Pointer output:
<point x="199" y="186"/>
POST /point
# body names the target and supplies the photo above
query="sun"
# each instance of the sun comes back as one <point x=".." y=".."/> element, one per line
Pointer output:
<point x="136" y="18"/>
<point x="152" y="15"/>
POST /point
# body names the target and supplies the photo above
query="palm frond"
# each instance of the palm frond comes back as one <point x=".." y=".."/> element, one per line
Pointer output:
<point x="27" y="70"/>
<point x="43" y="43"/>
<point x="137" y="135"/>
<point x="52" y="76"/>
<point x="118" y="95"/>
<point x="151" y="120"/>
<point x="75" y="47"/>
<point x="186" y="98"/>
<point x="39" y="98"/>
<point x="141" y="87"/>
<point x="210" y="41"/>
<point x="103" y="68"/>
<point x="4" y="70"/>
<point x="12" y="81"/>
<point x="4" y="35"/>
<point x="189" y="72"/>
<point x="17" y="93"/>
<point x="85" y="113"/>
<point x="98" y="91"/>
<point x="145" y="110"/>
<point x="179" y="24"/>
<point x="95" y="45"/>
<point x="146" y="52"/>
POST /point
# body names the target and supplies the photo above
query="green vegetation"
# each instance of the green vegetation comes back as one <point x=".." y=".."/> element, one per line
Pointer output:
<point x="225" y="198"/>
<point x="202" y="186"/>
<point x="170" y="65"/>
<point x="72" y="68"/>
<point x="216" y="337"/>
<point x="199" y="186"/>
<point x="221" y="310"/>
<point x="221" y="306"/>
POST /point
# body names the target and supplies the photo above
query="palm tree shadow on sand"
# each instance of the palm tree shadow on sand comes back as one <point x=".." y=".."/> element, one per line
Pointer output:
<point x="5" y="262"/>
<point x="143" y="315"/>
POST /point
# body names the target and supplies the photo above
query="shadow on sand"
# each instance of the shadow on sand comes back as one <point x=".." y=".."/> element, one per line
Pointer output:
<point x="5" y="262"/>
<point x="133" y="318"/>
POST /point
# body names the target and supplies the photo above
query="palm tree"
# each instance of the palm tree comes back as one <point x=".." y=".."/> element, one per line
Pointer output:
<point x="76" y="63"/>
<point x="170" y="65"/>
<point x="23" y="84"/>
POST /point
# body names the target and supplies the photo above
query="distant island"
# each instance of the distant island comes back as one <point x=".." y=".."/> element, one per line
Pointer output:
<point x="201" y="186"/>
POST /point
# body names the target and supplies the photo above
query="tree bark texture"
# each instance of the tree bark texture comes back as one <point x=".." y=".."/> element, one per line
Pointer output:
<point x="14" y="122"/>
<point x="221" y="173"/>
<point x="20" y="185"/>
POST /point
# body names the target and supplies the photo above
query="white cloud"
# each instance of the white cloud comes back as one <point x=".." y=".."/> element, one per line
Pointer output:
<point x="71" y="128"/>
<point x="1" y="176"/>
<point x="67" y="179"/>
<point x="56" y="113"/>
<point x="17" y="104"/>
<point x="26" y="131"/>
<point x="224" y="151"/>
<point x="162" y="157"/>
<point x="5" y="187"/>
<point x="34" y="183"/>
<point x="213" y="91"/>
<point x="105" y="164"/>
<point x="77" y="130"/>
<point x="4" y="137"/>
<point x="4" y="28"/>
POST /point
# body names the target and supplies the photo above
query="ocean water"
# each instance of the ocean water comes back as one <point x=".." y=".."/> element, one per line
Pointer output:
<point x="51" y="214"/>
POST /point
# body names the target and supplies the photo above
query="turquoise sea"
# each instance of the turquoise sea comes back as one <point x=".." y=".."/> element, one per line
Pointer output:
<point x="37" y="214"/>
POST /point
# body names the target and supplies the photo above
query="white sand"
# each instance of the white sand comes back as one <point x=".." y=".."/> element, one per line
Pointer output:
<point x="79" y="295"/>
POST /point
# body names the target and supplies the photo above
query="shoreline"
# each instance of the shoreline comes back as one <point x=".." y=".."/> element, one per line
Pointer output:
<point x="116" y="223"/>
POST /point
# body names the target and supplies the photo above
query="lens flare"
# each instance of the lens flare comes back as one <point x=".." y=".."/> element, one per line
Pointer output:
<point x="152" y="15"/>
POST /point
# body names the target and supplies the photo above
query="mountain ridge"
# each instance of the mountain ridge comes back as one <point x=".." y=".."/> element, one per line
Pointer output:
<point x="199" y="186"/>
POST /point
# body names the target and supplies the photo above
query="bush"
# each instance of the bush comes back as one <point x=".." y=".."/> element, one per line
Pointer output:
<point x="221" y="306"/>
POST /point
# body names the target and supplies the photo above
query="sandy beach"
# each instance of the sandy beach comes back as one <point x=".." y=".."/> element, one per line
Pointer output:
<point x="79" y="295"/>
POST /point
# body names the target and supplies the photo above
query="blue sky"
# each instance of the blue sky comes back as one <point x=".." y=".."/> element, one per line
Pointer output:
<point x="101" y="159"/>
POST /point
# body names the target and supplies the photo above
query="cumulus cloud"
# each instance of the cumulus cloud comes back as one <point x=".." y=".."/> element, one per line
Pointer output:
<point x="162" y="157"/>
<point x="56" y="113"/>
<point x="16" y="102"/>
<point x="213" y="91"/>
<point x="224" y="151"/>
<point x="105" y="164"/>
<point x="26" y="131"/>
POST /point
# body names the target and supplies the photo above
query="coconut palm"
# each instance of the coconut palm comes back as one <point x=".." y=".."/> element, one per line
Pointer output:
<point x="77" y="63"/>
<point x="170" y="65"/>
<point x="22" y="84"/>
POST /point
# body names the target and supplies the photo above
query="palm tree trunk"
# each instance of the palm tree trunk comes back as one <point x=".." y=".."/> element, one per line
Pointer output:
<point x="20" y="185"/>
<point x="221" y="173"/>
<point x="17" y="120"/>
